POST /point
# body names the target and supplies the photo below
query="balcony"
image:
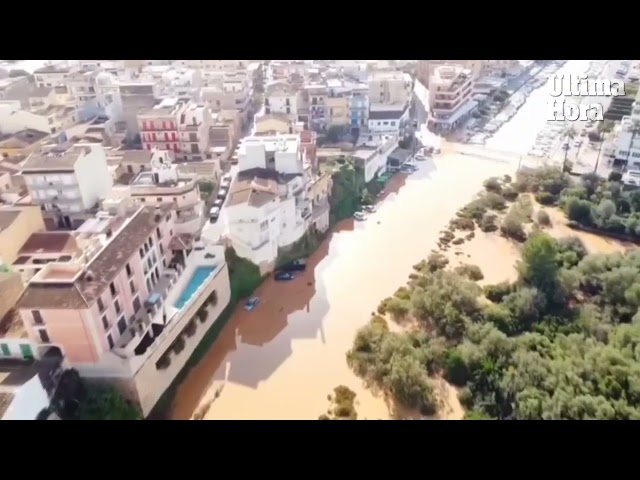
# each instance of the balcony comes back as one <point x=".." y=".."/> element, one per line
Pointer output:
<point x="150" y="320"/>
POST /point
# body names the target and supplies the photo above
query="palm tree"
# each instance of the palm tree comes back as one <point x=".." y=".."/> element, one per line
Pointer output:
<point x="570" y="134"/>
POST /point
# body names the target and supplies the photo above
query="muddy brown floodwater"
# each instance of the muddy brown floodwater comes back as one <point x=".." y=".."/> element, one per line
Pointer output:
<point x="283" y="359"/>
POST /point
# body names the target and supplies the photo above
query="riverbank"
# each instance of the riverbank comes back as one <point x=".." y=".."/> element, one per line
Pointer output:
<point x="295" y="341"/>
<point x="427" y="320"/>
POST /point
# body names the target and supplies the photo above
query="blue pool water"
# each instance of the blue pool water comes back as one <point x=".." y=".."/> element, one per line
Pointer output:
<point x="199" y="277"/>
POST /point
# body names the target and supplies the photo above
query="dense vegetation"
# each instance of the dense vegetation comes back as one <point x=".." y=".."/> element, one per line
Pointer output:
<point x="349" y="191"/>
<point x="563" y="342"/>
<point x="342" y="405"/>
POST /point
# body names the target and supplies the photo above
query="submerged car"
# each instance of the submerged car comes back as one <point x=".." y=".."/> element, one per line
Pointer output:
<point x="283" y="276"/>
<point x="359" y="216"/>
<point x="251" y="304"/>
<point x="298" y="265"/>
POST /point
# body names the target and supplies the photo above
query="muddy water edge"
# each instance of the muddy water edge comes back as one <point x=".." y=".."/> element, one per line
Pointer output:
<point x="283" y="359"/>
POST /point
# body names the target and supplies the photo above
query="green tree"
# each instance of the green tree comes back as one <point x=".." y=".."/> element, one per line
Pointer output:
<point x="539" y="265"/>
<point x="105" y="402"/>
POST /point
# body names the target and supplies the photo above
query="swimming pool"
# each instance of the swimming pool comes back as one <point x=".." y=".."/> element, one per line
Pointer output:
<point x="199" y="277"/>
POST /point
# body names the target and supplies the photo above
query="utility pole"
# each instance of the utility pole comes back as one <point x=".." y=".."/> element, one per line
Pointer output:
<point x="595" y="169"/>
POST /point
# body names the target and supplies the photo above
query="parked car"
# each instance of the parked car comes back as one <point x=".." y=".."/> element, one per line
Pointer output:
<point x="359" y="216"/>
<point x="298" y="265"/>
<point x="218" y="202"/>
<point x="369" y="208"/>
<point x="281" y="276"/>
<point x="214" y="213"/>
<point x="226" y="181"/>
<point x="222" y="193"/>
<point x="420" y="157"/>
<point x="251" y="304"/>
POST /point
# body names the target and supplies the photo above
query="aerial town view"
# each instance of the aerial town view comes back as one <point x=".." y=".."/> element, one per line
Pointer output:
<point x="319" y="239"/>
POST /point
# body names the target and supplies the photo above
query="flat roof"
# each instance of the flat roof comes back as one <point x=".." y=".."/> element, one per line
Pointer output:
<point x="49" y="242"/>
<point x="7" y="217"/>
<point x="62" y="157"/>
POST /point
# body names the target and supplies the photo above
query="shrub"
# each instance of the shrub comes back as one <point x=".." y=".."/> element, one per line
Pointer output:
<point x="437" y="261"/>
<point x="509" y="194"/>
<point x="462" y="223"/>
<point x="512" y="227"/>
<point x="545" y="198"/>
<point x="475" y="209"/>
<point x="492" y="185"/>
<point x="543" y="218"/>
<point x="524" y="206"/>
<point x="519" y="186"/>
<point x="458" y="241"/>
<point x="488" y="223"/>
<point x="382" y="308"/>
<point x="507" y="179"/>
<point x="466" y="397"/>
<point x="495" y="201"/>
<point x="615" y="177"/>
<point x="498" y="291"/>
<point x="579" y="210"/>
<point x="398" y="308"/>
<point x="472" y="272"/>
<point x="324" y="416"/>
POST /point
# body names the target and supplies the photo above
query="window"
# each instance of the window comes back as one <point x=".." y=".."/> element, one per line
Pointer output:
<point x="37" y="317"/>
<point x="117" y="306"/>
<point x="110" y="341"/>
<point x="158" y="233"/>
<point x="161" y="249"/>
<point x="136" y="304"/>
<point x="105" y="323"/>
<point x="100" y="305"/>
<point x="158" y="199"/>
<point x="4" y="348"/>
<point x="168" y="217"/>
<point x="26" y="351"/>
<point x="213" y="298"/>
<point x="141" y="251"/>
<point x="112" y="289"/>
<point x="122" y="325"/>
<point x="128" y="269"/>
<point x="44" y="336"/>
<point x="132" y="285"/>
<point x="175" y="199"/>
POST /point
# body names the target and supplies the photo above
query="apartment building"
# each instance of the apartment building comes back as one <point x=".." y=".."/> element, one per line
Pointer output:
<point x="389" y="88"/>
<point x="229" y="91"/>
<point x="316" y="95"/>
<point x="337" y="104"/>
<point x="386" y="121"/>
<point x="67" y="179"/>
<point x="22" y="143"/>
<point x="499" y="68"/>
<point x="373" y="160"/>
<point x="95" y="93"/>
<point x="161" y="183"/>
<point x="44" y="114"/>
<point x="17" y="224"/>
<point x="281" y="98"/>
<point x="159" y="126"/>
<point x="194" y="124"/>
<point x="225" y="131"/>
<point x="216" y="65"/>
<point x="52" y="76"/>
<point x="126" y="314"/>
<point x="450" y="97"/>
<point x="425" y="68"/>
<point x="627" y="139"/>
<point x="269" y="205"/>
<point x="359" y="109"/>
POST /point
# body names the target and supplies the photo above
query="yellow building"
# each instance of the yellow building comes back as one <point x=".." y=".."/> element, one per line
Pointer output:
<point x="16" y="226"/>
<point x="273" y="124"/>
<point x="337" y="108"/>
<point x="22" y="143"/>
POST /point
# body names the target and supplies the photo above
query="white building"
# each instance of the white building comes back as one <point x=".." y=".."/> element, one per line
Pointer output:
<point x="275" y="198"/>
<point x="67" y="179"/>
<point x="450" y="97"/>
<point x="373" y="160"/>
<point x="52" y="76"/>
<point x="386" y="121"/>
<point x="627" y="144"/>
<point x="194" y="123"/>
<point x="280" y="97"/>
<point x="23" y="392"/>
<point x="45" y="114"/>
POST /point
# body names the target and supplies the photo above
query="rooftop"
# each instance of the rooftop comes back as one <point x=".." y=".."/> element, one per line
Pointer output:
<point x="40" y="92"/>
<point x="52" y="69"/>
<point x="61" y="157"/>
<point x="23" y="137"/>
<point x="83" y="291"/>
<point x="49" y="242"/>
<point x="279" y="88"/>
<point x="275" y="143"/>
<point x="142" y="157"/>
<point x="255" y="190"/>
<point x="394" y="114"/>
<point x="7" y="217"/>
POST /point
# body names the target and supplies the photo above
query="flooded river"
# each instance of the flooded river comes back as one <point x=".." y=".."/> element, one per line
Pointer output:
<point x="282" y="360"/>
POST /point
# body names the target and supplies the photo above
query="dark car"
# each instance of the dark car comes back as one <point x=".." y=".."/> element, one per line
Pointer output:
<point x="284" y="276"/>
<point x="299" y="265"/>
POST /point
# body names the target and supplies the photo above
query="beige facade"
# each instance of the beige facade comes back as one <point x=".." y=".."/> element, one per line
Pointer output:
<point x="16" y="226"/>
<point x="273" y="124"/>
<point x="389" y="88"/>
<point x="337" y="111"/>
<point x="11" y="288"/>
